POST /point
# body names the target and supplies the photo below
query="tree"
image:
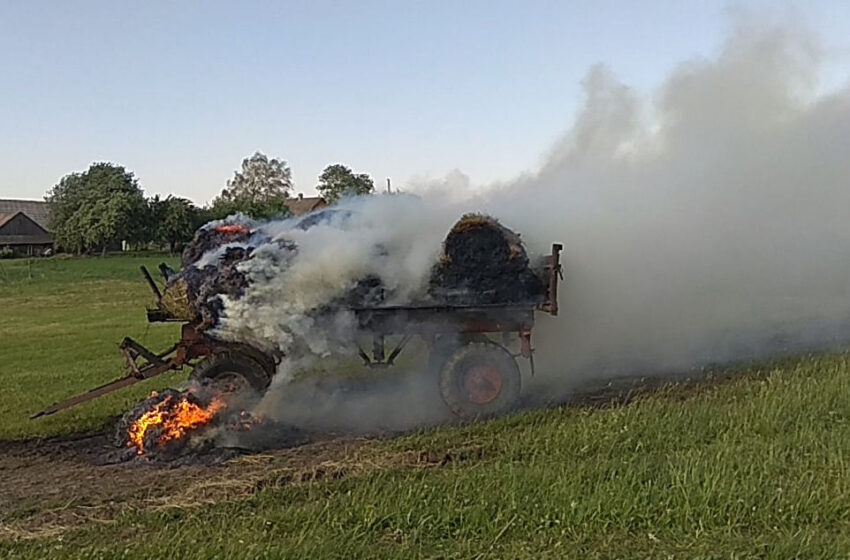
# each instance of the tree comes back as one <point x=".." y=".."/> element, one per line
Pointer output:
<point x="259" y="190"/>
<point x="259" y="210"/>
<point x="337" y="181"/>
<point x="97" y="209"/>
<point x="175" y="221"/>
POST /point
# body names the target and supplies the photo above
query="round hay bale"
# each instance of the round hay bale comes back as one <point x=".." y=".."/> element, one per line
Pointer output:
<point x="483" y="262"/>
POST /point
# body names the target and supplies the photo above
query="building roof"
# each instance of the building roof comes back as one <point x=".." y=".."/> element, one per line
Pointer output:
<point x="305" y="204"/>
<point x="35" y="209"/>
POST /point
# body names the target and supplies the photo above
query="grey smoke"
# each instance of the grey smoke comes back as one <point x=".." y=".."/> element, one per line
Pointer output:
<point x="705" y="222"/>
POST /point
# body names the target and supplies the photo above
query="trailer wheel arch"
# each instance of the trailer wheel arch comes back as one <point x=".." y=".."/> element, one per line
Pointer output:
<point x="224" y="365"/>
<point x="480" y="379"/>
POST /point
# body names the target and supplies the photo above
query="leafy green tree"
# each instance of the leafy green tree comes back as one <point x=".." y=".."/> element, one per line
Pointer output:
<point x="154" y="216"/>
<point x="97" y="209"/>
<point x="176" y="220"/>
<point x="259" y="190"/>
<point x="260" y="210"/>
<point x="337" y="181"/>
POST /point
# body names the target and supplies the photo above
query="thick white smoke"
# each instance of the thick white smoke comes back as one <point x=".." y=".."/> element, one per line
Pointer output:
<point x="705" y="222"/>
<point x="396" y="238"/>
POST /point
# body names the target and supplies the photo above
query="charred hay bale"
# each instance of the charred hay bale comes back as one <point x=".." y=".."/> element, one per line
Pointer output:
<point x="195" y="295"/>
<point x="483" y="262"/>
<point x="206" y="285"/>
<point x="209" y="238"/>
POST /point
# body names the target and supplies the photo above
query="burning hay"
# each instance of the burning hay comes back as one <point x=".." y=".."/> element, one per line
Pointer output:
<point x="160" y="423"/>
<point x="482" y="262"/>
<point x="205" y="423"/>
<point x="210" y="271"/>
<point x="177" y="427"/>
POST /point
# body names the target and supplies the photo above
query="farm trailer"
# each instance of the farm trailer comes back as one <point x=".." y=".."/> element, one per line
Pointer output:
<point x="477" y="375"/>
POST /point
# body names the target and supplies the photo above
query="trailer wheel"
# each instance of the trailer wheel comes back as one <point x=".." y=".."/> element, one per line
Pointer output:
<point x="235" y="370"/>
<point x="480" y="379"/>
<point x="446" y="346"/>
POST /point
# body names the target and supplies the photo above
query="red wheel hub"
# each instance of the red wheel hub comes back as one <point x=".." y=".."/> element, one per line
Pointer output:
<point x="482" y="383"/>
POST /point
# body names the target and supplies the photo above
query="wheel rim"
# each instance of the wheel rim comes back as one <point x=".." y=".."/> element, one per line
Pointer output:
<point x="482" y="383"/>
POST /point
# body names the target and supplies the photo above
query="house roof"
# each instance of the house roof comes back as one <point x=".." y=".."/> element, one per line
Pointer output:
<point x="36" y="210"/>
<point x="305" y="204"/>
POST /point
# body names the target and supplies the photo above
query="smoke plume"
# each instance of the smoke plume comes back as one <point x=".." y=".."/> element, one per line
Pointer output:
<point x="706" y="222"/>
<point x="706" y="226"/>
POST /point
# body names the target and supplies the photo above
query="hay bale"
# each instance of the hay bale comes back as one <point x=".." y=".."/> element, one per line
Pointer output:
<point x="483" y="262"/>
<point x="175" y="299"/>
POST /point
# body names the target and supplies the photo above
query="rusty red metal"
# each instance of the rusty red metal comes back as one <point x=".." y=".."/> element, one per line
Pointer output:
<point x="553" y="275"/>
<point x="525" y="343"/>
<point x="482" y="383"/>
<point x="192" y="345"/>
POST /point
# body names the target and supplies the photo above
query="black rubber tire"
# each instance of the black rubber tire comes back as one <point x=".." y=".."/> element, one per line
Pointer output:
<point x="228" y="364"/>
<point x="496" y="362"/>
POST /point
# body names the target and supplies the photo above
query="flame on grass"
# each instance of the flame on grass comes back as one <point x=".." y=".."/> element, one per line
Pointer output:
<point x="173" y="419"/>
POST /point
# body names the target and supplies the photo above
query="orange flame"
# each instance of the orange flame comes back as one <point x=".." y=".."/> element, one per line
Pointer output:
<point x="174" y="418"/>
<point x="232" y="229"/>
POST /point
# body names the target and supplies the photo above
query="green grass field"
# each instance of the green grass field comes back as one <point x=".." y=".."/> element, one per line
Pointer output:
<point x="61" y="321"/>
<point x="754" y="466"/>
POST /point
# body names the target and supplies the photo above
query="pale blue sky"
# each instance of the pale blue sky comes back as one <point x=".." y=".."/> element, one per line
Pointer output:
<point x="180" y="92"/>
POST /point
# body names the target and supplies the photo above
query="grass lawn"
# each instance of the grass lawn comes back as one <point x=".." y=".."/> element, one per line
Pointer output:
<point x="61" y="321"/>
<point x="752" y="467"/>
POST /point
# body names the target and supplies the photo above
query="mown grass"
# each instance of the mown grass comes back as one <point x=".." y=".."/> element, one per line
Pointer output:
<point x="754" y="467"/>
<point x="61" y="321"/>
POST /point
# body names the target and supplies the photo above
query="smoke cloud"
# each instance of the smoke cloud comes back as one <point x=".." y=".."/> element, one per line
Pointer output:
<point x="704" y="223"/>
<point x="707" y="224"/>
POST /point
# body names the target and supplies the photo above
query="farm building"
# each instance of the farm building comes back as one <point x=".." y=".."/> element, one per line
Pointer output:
<point x="23" y="227"/>
<point x="304" y="205"/>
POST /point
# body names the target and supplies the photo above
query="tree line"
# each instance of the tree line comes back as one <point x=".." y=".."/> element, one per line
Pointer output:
<point x="101" y="208"/>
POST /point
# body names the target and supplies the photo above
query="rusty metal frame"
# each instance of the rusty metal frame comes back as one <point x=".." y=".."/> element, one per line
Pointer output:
<point x="192" y="345"/>
<point x="554" y="273"/>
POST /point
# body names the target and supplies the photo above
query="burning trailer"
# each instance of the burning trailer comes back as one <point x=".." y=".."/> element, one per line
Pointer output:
<point x="243" y="320"/>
